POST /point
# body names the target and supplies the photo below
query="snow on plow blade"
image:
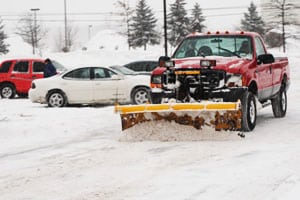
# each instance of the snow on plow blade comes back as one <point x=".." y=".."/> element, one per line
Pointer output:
<point x="218" y="115"/>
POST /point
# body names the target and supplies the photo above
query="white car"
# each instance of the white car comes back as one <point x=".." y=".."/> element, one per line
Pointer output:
<point x="91" y="85"/>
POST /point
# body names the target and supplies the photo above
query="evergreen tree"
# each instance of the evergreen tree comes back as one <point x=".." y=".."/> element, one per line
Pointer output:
<point x="253" y="22"/>
<point x="178" y="22"/>
<point x="3" y="36"/>
<point x="143" y="27"/>
<point x="197" y="19"/>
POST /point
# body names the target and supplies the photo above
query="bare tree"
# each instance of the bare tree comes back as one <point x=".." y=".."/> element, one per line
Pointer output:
<point x="71" y="38"/>
<point x="126" y="13"/>
<point x="281" y="12"/>
<point x="31" y="31"/>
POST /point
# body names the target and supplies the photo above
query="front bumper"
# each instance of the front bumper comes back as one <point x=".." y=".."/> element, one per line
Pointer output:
<point x="35" y="97"/>
<point x="225" y="95"/>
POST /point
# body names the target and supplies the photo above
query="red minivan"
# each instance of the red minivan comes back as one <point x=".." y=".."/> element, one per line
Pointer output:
<point x="16" y="75"/>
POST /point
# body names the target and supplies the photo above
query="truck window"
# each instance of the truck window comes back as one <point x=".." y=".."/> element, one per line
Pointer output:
<point x="21" y="67"/>
<point x="226" y="46"/>
<point x="5" y="67"/>
<point x="260" y="50"/>
<point x="38" y="67"/>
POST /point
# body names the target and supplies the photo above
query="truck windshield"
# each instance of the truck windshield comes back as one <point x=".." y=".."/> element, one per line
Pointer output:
<point x="226" y="46"/>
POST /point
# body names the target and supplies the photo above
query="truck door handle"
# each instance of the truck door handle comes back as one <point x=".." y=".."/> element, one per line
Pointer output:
<point x="270" y="69"/>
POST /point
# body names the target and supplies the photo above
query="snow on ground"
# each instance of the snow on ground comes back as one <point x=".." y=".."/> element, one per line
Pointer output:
<point x="79" y="153"/>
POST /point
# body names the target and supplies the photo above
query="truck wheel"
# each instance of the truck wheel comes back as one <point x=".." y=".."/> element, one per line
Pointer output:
<point x="8" y="91"/>
<point x="248" y="112"/>
<point x="56" y="99"/>
<point x="279" y="103"/>
<point x="140" y="95"/>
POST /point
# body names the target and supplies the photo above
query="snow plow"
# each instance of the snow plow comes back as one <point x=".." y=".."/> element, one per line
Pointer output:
<point x="212" y="80"/>
<point x="217" y="115"/>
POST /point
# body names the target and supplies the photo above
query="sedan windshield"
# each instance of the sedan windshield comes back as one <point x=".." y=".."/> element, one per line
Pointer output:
<point x="226" y="46"/>
<point x="123" y="70"/>
<point x="59" y="67"/>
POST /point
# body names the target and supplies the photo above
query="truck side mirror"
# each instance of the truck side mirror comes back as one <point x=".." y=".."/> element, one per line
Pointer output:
<point x="265" y="59"/>
<point x="164" y="61"/>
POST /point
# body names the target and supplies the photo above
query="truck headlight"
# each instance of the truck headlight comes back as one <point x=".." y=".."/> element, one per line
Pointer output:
<point x="234" y="80"/>
<point x="156" y="81"/>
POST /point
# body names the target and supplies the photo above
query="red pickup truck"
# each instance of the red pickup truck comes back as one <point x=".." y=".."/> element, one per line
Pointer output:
<point x="16" y="75"/>
<point x="225" y="67"/>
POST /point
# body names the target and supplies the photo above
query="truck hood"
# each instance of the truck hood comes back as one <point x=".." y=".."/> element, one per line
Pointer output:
<point x="229" y="64"/>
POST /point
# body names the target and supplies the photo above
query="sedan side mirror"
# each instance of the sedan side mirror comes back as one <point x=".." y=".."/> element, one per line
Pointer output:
<point x="265" y="59"/>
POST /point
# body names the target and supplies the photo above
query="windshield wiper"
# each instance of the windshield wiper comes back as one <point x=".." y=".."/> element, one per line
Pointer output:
<point x="227" y="50"/>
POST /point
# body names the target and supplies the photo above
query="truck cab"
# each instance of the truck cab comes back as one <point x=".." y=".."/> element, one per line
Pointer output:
<point x="226" y="67"/>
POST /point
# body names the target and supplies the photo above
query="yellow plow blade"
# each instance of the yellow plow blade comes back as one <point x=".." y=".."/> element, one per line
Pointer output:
<point x="218" y="115"/>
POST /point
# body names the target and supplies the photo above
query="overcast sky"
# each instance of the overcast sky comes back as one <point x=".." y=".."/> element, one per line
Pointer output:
<point x="219" y="14"/>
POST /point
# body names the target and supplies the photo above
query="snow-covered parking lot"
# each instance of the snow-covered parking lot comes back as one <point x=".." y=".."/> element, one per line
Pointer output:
<point x="77" y="153"/>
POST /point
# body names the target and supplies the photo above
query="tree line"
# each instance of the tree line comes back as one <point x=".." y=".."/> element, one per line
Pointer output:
<point x="141" y="27"/>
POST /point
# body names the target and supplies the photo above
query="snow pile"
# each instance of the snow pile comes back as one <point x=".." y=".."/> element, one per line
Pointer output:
<point x="171" y="131"/>
<point x="17" y="47"/>
<point x="107" y="40"/>
<point x="102" y="57"/>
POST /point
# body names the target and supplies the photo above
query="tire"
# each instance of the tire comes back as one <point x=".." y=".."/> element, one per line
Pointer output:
<point x="57" y="99"/>
<point x="279" y="103"/>
<point x="156" y="98"/>
<point x="140" y="95"/>
<point x="22" y="95"/>
<point x="249" y="112"/>
<point x="8" y="91"/>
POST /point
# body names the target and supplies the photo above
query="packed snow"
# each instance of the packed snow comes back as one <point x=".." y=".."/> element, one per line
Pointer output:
<point x="80" y="153"/>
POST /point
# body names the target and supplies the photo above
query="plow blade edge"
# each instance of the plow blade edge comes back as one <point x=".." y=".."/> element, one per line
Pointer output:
<point x="218" y="115"/>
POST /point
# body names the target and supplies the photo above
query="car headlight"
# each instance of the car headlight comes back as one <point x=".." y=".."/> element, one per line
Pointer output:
<point x="234" y="80"/>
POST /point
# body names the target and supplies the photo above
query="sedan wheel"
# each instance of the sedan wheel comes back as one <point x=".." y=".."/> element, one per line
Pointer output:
<point x="56" y="99"/>
<point x="140" y="96"/>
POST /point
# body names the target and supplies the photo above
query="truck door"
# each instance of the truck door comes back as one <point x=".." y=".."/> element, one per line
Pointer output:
<point x="263" y="73"/>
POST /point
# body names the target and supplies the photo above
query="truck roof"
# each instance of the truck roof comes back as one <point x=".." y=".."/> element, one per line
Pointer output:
<point x="236" y="33"/>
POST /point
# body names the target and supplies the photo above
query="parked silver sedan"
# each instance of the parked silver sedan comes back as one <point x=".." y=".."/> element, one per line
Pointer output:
<point x="91" y="85"/>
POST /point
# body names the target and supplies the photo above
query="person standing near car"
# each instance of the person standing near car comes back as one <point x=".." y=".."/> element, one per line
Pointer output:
<point x="49" y="69"/>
